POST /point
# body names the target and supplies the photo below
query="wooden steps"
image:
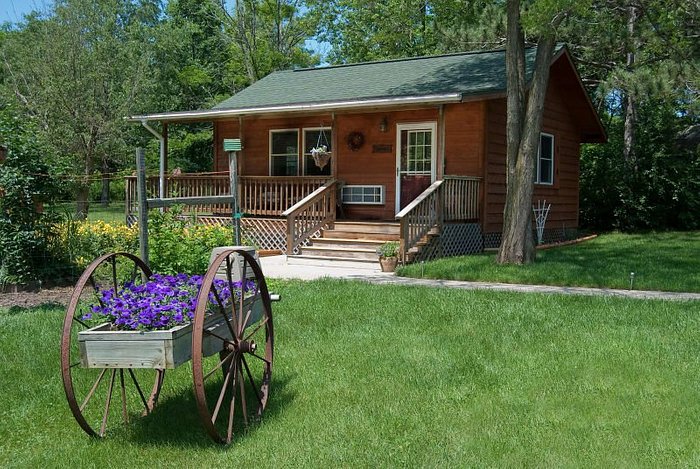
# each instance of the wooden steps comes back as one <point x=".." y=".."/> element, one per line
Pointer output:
<point x="377" y="231"/>
<point x="351" y="241"/>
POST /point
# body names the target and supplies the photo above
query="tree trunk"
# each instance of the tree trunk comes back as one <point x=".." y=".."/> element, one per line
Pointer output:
<point x="82" y="202"/>
<point x="104" y="198"/>
<point x="523" y="137"/>
<point x="630" y="105"/>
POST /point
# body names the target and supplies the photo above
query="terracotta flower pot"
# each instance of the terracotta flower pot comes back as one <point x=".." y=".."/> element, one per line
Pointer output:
<point x="388" y="263"/>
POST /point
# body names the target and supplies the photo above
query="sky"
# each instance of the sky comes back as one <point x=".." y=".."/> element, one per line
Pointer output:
<point x="14" y="10"/>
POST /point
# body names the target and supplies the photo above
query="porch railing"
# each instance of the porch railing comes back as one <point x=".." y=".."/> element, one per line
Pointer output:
<point x="258" y="195"/>
<point x="454" y="198"/>
<point x="310" y="214"/>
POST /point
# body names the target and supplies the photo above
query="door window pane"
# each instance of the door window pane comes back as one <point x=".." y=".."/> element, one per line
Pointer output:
<point x="418" y="154"/>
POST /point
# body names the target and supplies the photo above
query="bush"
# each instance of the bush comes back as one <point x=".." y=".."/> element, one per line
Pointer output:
<point x="178" y="245"/>
<point x="117" y="190"/>
<point x="25" y="186"/>
<point x="661" y="192"/>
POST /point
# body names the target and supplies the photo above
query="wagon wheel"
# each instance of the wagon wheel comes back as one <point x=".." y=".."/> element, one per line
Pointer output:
<point x="95" y="395"/>
<point x="232" y="346"/>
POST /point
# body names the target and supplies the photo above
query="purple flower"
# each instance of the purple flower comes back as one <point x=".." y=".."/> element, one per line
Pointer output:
<point x="163" y="302"/>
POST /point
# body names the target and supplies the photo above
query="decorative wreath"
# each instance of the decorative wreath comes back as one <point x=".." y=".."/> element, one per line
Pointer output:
<point x="355" y="140"/>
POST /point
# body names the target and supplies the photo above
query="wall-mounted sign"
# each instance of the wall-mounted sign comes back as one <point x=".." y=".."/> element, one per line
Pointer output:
<point x="382" y="148"/>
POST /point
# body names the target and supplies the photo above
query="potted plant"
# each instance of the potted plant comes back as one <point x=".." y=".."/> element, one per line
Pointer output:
<point x="321" y="155"/>
<point x="388" y="255"/>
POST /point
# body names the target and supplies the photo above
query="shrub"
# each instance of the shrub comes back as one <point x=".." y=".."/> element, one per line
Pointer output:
<point x="662" y="191"/>
<point x="25" y="186"/>
<point x="178" y="245"/>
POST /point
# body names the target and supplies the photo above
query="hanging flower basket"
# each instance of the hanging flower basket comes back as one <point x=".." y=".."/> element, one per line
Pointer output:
<point x="321" y="156"/>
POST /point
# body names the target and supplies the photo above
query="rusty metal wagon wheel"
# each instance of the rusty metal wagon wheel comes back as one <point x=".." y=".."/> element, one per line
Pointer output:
<point x="232" y="346"/>
<point x="90" y="389"/>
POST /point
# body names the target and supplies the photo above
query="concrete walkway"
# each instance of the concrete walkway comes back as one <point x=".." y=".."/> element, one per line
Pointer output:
<point x="278" y="267"/>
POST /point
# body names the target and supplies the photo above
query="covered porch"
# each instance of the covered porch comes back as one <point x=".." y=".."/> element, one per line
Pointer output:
<point x="286" y="213"/>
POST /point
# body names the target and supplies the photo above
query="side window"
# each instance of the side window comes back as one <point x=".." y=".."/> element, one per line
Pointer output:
<point x="544" y="170"/>
<point x="284" y="153"/>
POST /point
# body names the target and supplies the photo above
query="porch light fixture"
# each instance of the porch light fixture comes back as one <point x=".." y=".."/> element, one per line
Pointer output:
<point x="383" y="124"/>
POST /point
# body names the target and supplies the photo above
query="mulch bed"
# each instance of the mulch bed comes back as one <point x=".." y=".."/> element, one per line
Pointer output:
<point x="30" y="299"/>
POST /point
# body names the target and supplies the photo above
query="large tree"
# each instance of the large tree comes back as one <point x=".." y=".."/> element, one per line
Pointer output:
<point x="364" y="30"/>
<point x="525" y="108"/>
<point x="639" y="59"/>
<point x="267" y="35"/>
<point x="80" y="71"/>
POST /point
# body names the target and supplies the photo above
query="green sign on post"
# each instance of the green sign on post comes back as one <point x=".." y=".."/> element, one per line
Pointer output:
<point x="232" y="144"/>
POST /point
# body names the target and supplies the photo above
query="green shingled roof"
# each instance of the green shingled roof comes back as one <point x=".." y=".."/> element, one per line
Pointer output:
<point x="470" y="73"/>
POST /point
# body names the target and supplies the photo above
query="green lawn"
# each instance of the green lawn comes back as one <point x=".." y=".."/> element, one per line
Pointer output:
<point x="114" y="213"/>
<point x="385" y="376"/>
<point x="660" y="261"/>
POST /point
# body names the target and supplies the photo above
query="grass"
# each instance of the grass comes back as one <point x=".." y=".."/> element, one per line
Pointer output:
<point x="383" y="376"/>
<point x="114" y="213"/>
<point x="660" y="261"/>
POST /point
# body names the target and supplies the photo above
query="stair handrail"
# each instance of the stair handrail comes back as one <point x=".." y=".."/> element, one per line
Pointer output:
<point x="419" y="217"/>
<point x="310" y="214"/>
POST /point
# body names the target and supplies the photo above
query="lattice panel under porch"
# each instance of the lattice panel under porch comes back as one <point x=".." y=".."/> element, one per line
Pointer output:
<point x="456" y="239"/>
<point x="270" y="233"/>
<point x="459" y="239"/>
<point x="265" y="233"/>
<point x="549" y="236"/>
<point x="430" y="251"/>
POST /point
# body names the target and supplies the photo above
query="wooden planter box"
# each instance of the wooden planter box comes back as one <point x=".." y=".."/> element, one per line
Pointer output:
<point x="101" y="347"/>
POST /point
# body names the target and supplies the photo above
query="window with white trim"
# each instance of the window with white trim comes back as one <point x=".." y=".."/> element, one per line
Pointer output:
<point x="371" y="195"/>
<point x="312" y="138"/>
<point x="544" y="170"/>
<point x="284" y="152"/>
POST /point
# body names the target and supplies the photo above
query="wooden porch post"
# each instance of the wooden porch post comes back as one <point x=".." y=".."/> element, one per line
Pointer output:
<point x="233" y="175"/>
<point x="165" y="159"/>
<point x="336" y="150"/>
<point x="440" y="170"/>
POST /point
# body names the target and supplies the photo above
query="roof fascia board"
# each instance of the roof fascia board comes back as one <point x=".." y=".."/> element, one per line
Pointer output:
<point x="211" y="114"/>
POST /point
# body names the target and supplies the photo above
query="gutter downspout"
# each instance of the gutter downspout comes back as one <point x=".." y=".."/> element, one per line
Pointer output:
<point x="161" y="173"/>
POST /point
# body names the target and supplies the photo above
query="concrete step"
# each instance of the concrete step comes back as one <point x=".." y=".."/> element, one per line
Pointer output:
<point x="335" y="262"/>
<point x="351" y="243"/>
<point x="340" y="252"/>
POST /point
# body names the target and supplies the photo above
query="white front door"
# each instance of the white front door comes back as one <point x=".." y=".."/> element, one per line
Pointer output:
<point x="416" y="150"/>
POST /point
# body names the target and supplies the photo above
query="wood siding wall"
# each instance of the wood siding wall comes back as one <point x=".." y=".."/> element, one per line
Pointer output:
<point x="564" y="193"/>
<point x="464" y="147"/>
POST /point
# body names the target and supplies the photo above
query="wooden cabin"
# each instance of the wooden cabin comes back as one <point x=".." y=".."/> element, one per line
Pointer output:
<point x="417" y="153"/>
